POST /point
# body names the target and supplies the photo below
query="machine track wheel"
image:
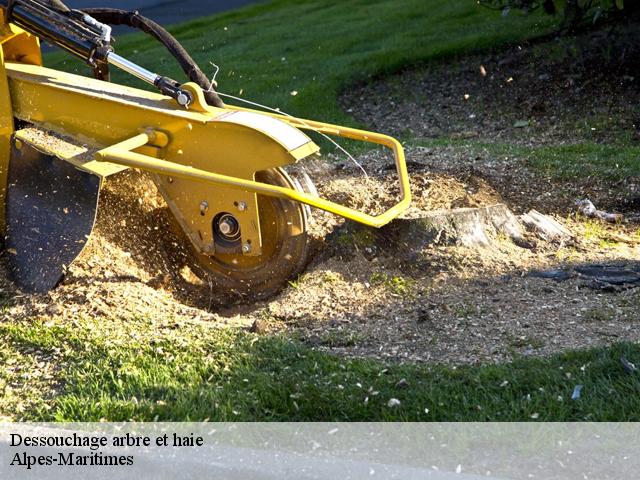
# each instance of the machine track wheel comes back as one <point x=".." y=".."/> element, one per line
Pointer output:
<point x="285" y="246"/>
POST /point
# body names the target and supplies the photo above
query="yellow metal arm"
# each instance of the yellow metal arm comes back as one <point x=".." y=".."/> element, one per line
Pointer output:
<point x="122" y="154"/>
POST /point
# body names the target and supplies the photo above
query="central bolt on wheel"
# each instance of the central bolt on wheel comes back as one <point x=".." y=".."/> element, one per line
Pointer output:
<point x="226" y="228"/>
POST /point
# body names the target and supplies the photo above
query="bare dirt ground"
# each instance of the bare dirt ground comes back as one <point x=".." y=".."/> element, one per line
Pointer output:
<point x="456" y="304"/>
<point x="367" y="298"/>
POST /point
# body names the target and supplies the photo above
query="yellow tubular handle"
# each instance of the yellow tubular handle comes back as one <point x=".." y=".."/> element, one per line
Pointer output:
<point x="354" y="134"/>
<point x="121" y="154"/>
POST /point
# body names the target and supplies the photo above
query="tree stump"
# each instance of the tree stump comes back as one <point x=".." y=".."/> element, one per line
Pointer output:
<point x="469" y="227"/>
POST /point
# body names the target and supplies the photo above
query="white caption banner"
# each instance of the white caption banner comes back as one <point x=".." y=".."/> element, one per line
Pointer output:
<point x="282" y="451"/>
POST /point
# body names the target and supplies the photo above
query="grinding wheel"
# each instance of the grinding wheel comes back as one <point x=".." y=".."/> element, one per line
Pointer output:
<point x="285" y="246"/>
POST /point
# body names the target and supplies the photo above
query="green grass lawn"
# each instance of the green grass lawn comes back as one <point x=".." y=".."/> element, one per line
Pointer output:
<point x="95" y="369"/>
<point x="144" y="370"/>
<point x="319" y="47"/>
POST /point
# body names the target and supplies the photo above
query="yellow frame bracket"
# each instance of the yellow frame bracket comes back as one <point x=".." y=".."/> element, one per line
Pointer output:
<point x="122" y="154"/>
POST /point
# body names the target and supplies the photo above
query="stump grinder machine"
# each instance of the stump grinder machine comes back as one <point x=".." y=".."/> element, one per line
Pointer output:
<point x="220" y="168"/>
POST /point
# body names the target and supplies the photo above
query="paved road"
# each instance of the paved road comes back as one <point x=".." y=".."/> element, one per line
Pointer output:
<point x="166" y="12"/>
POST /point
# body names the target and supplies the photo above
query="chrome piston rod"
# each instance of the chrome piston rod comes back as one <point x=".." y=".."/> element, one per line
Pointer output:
<point x="130" y="67"/>
<point x="181" y="96"/>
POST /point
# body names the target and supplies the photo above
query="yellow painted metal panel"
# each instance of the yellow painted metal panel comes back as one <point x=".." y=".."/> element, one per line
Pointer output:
<point x="6" y="130"/>
<point x="289" y="137"/>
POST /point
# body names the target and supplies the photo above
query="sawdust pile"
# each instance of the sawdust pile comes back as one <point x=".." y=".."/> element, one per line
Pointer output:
<point x="137" y="264"/>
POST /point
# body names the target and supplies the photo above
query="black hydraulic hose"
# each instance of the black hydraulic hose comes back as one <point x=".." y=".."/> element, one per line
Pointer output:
<point x="114" y="16"/>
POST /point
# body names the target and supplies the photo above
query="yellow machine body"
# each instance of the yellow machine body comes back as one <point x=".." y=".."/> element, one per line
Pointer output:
<point x="204" y="159"/>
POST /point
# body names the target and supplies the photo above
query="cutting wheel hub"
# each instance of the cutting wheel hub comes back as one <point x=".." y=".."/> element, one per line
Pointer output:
<point x="285" y="246"/>
<point x="227" y="227"/>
